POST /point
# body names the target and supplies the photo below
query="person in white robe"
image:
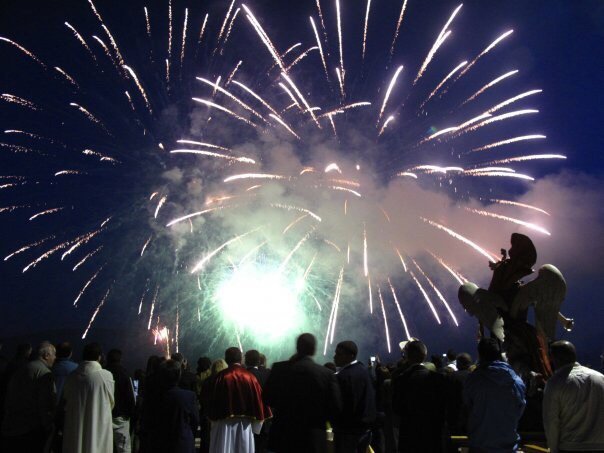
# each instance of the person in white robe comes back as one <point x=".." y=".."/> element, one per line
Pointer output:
<point x="89" y="398"/>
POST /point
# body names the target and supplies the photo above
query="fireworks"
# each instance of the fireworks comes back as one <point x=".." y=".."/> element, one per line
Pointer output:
<point x="225" y="176"/>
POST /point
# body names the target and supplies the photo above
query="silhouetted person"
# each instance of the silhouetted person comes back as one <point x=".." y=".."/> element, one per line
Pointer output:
<point x="125" y="404"/>
<point x="303" y="396"/>
<point x="235" y="406"/>
<point x="179" y="412"/>
<point x="495" y="398"/>
<point x="88" y="395"/>
<point x="419" y="397"/>
<point x="30" y="404"/>
<point x="352" y="429"/>
<point x="151" y="395"/>
<point x="457" y="379"/>
<point x="252" y="363"/>
<point x="331" y="366"/>
<point x="203" y="373"/>
<point x="573" y="403"/>
<point x="20" y="358"/>
<point x="63" y="366"/>
<point x="188" y="380"/>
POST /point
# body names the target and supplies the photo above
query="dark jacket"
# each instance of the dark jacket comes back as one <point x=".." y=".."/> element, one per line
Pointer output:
<point x="419" y="397"/>
<point x="303" y="396"/>
<point x="124" y="392"/>
<point x="494" y="395"/>
<point x="179" y="420"/>
<point x="261" y="374"/>
<point x="358" y="400"/>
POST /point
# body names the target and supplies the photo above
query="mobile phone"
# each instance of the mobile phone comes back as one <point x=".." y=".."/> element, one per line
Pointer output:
<point x="372" y="359"/>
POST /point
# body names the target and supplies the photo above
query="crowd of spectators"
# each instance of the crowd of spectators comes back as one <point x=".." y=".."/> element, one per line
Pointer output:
<point x="50" y="403"/>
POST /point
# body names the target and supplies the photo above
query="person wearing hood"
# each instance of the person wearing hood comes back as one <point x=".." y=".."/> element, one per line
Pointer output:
<point x="89" y="399"/>
<point x="495" y="398"/>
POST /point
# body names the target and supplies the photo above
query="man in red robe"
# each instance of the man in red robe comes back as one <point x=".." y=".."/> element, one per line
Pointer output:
<point x="235" y="407"/>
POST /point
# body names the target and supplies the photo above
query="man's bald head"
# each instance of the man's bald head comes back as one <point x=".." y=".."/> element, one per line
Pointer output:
<point x="563" y="353"/>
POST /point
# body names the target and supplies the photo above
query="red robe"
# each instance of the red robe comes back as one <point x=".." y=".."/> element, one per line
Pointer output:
<point x="235" y="392"/>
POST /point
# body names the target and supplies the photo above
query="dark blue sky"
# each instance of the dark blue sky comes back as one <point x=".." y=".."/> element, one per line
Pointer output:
<point x="557" y="44"/>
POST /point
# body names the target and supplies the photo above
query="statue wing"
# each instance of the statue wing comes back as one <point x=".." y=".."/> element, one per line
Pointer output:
<point x="546" y="293"/>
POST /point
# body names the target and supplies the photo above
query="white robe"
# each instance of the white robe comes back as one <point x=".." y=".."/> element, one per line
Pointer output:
<point x="234" y="434"/>
<point x="88" y="395"/>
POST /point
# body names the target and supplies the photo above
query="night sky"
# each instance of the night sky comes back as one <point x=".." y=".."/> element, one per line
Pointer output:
<point x="558" y="45"/>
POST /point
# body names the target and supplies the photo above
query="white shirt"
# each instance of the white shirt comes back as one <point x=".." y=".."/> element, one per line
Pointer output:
<point x="573" y="409"/>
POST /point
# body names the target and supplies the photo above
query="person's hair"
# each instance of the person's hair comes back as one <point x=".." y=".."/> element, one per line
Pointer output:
<point x="489" y="350"/>
<point x="152" y="364"/>
<point x="232" y="355"/>
<point x="92" y="351"/>
<point x="169" y="373"/>
<point x="203" y="364"/>
<point x="262" y="360"/>
<point x="64" y="350"/>
<point x="563" y="352"/>
<point x="437" y="361"/>
<point x="416" y="351"/>
<point x="451" y="355"/>
<point x="349" y="347"/>
<point x="23" y="351"/>
<point x="331" y="366"/>
<point x="306" y="344"/>
<point x="114" y="356"/>
<point x="218" y="366"/>
<point x="44" y="349"/>
<point x="252" y="358"/>
<point x="463" y="361"/>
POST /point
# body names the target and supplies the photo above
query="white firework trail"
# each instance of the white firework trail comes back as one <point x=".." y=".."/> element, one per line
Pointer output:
<point x="146" y="244"/>
<point x="184" y="38"/>
<point x="105" y="49"/>
<point x="232" y="74"/>
<point x="225" y="110"/>
<point x="152" y="307"/>
<point x="401" y="258"/>
<point x="296" y="248"/>
<point x="81" y="40"/>
<point x="89" y="115"/>
<point x="526" y="158"/>
<point x="442" y="37"/>
<point x="147" y="22"/>
<point x="291" y="225"/>
<point x="19" y="101"/>
<point x="246" y="160"/>
<point x="96" y="312"/>
<point x="291" y="95"/>
<point x="438" y="293"/>
<point x="194" y="214"/>
<point x="463" y="239"/>
<point x="334" y="308"/>
<point x="46" y="212"/>
<point x="201" y="263"/>
<point x="515" y="203"/>
<point x="321" y="18"/>
<point x="168" y="73"/>
<point x="426" y="297"/>
<point x="456" y="275"/>
<point x="503" y="174"/>
<point x="301" y="57"/>
<point x="365" y="259"/>
<point x="228" y="33"/>
<point x="398" y="25"/>
<point x="264" y="37"/>
<point x="208" y="145"/>
<point x="226" y="20"/>
<point x="400" y="311"/>
<point x="13" y="208"/>
<point x="489" y="85"/>
<point x="387" y="95"/>
<point x="103" y="158"/>
<point x="302" y="98"/>
<point x="256" y="96"/>
<point x="116" y="49"/>
<point x="339" y="22"/>
<point x="68" y="172"/>
<point x="341" y="83"/>
<point x="282" y="123"/>
<point x="314" y="27"/>
<point x="332" y="244"/>
<point x="89" y="255"/>
<point x="443" y="81"/>
<point x="231" y="96"/>
<point x="501" y="117"/>
<point x="295" y="208"/>
<point x="86" y="285"/>
<point x="27" y="247"/>
<point x="385" y="319"/>
<point x="139" y="86"/>
<point x="140" y="305"/>
<point x="130" y="101"/>
<point x="333" y="167"/>
<point x="370" y="294"/>
<point x="16" y="148"/>
<point x="365" y="30"/>
<point x="45" y="255"/>
<point x="201" y="32"/>
<point x="484" y="52"/>
<point x="161" y="202"/>
<point x="510" y="140"/>
<point x="385" y="125"/>
<point x="81" y="240"/>
<point x="24" y="50"/>
<point x="254" y="176"/>
<point x="512" y="100"/>
<point x="343" y="108"/>
<point x="528" y="225"/>
<point x="169" y="29"/>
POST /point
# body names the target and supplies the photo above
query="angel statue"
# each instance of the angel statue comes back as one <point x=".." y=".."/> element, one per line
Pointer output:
<point x="503" y="307"/>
